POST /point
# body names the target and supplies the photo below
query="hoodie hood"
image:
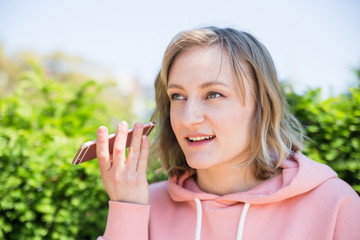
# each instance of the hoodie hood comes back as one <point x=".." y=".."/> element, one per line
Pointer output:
<point x="299" y="175"/>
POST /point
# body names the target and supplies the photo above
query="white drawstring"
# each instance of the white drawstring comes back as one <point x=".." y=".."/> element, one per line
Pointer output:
<point x="242" y="221"/>
<point x="198" y="218"/>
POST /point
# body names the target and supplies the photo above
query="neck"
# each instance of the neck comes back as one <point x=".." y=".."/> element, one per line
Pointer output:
<point x="222" y="180"/>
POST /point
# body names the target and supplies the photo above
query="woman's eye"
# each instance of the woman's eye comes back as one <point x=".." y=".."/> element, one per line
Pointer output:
<point x="176" y="97"/>
<point x="214" y="95"/>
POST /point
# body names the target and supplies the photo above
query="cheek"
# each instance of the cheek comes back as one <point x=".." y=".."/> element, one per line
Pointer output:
<point x="238" y="124"/>
<point x="174" y="120"/>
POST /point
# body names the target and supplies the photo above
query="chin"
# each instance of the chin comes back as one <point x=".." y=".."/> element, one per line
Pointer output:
<point x="198" y="163"/>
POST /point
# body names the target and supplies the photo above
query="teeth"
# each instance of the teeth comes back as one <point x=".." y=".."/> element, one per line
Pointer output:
<point x="200" y="138"/>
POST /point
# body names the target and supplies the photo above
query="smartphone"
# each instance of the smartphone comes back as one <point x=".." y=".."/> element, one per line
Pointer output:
<point x="87" y="151"/>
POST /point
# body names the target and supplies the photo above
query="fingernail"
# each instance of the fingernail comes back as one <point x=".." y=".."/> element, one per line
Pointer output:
<point x="102" y="129"/>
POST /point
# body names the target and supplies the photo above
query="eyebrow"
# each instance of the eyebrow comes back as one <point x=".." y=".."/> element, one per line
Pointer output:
<point x="204" y="85"/>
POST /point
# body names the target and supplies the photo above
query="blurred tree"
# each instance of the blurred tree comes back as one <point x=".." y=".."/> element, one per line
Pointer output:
<point x="8" y="74"/>
<point x="62" y="68"/>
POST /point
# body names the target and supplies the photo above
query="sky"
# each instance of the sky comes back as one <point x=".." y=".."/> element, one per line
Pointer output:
<point x="313" y="43"/>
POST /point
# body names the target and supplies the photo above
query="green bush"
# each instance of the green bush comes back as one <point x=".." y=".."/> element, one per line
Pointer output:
<point x="43" y="196"/>
<point x="333" y="126"/>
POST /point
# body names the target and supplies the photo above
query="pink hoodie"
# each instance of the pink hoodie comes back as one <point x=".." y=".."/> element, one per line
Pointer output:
<point x="307" y="201"/>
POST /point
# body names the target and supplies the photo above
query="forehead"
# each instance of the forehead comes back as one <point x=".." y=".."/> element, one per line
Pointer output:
<point x="205" y="63"/>
<point x="213" y="61"/>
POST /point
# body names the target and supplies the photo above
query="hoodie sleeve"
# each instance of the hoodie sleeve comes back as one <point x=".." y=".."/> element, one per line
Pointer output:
<point x="127" y="221"/>
<point x="348" y="219"/>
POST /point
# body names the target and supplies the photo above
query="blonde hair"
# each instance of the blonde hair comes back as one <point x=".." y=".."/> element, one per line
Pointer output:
<point x="276" y="132"/>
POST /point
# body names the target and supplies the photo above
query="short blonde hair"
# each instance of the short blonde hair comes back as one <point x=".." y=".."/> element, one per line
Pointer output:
<point x="276" y="132"/>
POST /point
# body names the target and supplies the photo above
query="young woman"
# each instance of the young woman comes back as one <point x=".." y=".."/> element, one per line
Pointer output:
<point x="232" y="152"/>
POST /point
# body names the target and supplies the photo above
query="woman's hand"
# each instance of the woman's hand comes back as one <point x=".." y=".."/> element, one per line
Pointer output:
<point x="124" y="178"/>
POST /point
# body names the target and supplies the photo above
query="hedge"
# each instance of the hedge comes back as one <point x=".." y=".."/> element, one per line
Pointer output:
<point x="43" y="196"/>
<point x="333" y="128"/>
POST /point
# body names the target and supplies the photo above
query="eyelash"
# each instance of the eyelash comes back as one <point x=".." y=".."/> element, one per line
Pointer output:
<point x="174" y="95"/>
<point x="216" y="93"/>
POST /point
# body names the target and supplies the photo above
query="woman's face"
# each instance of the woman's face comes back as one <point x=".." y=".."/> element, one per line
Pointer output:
<point x="207" y="114"/>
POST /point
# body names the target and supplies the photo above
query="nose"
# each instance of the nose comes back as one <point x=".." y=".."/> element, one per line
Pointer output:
<point x="193" y="113"/>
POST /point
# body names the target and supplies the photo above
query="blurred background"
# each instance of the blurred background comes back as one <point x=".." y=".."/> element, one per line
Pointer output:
<point x="67" y="67"/>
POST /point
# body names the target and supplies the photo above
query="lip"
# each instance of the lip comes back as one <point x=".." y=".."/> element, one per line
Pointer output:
<point x="198" y="135"/>
<point x="199" y="143"/>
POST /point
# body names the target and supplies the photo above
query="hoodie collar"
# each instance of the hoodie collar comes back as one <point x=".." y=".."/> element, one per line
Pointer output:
<point x="299" y="175"/>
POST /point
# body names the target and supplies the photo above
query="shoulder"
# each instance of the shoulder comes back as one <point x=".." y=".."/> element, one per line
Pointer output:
<point x="159" y="192"/>
<point x="341" y="198"/>
<point x="337" y="190"/>
<point x="320" y="179"/>
<point x="158" y="187"/>
<point x="342" y="188"/>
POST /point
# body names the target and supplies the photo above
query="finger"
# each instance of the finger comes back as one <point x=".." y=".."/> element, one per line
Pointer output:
<point x="120" y="144"/>
<point x="144" y="154"/>
<point x="102" y="149"/>
<point x="134" y="149"/>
